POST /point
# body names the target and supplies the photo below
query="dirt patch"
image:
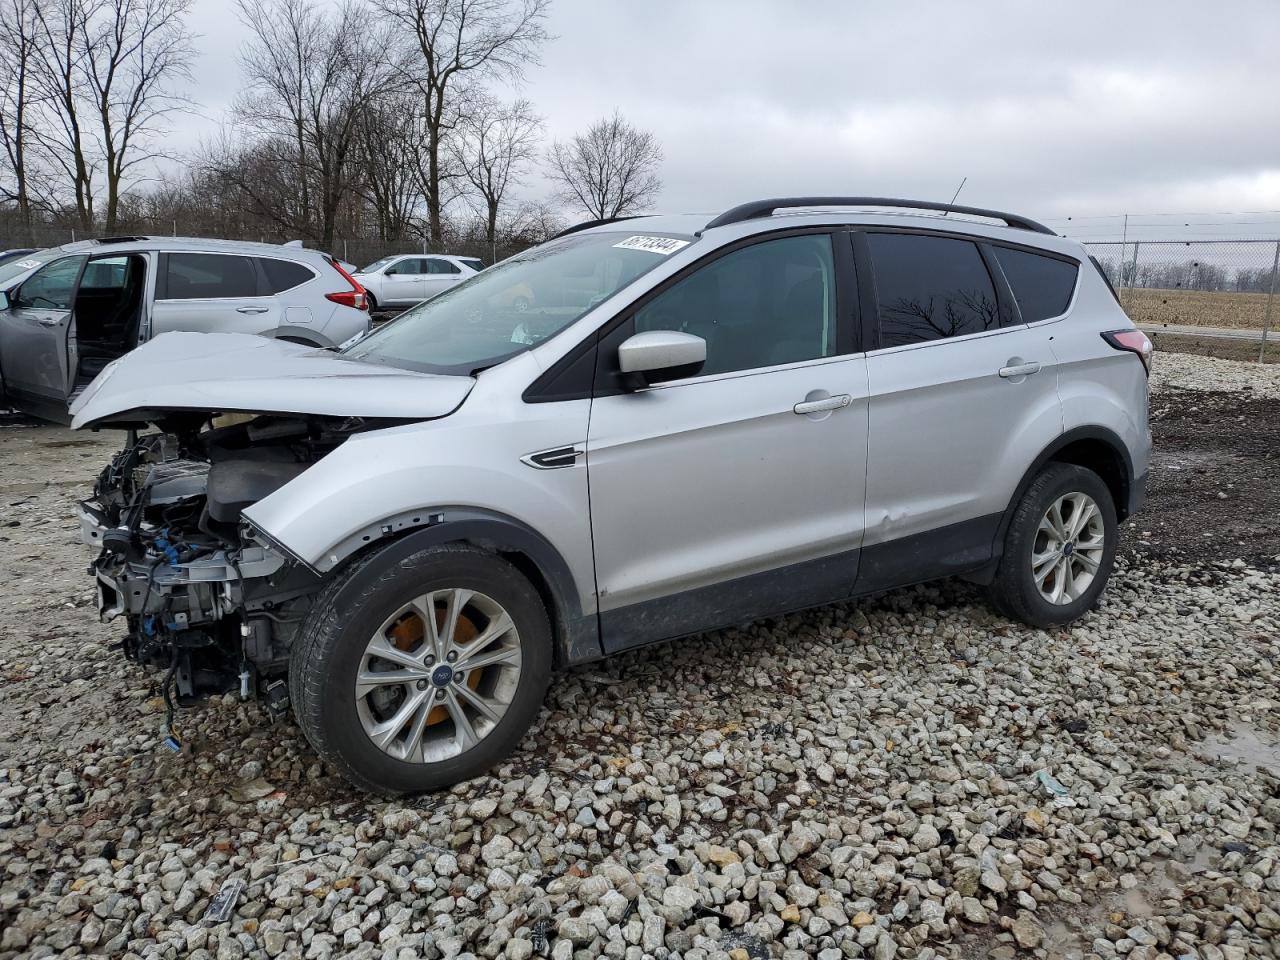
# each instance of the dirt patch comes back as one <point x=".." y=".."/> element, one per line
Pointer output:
<point x="1212" y="493"/>
<point x="1219" y="347"/>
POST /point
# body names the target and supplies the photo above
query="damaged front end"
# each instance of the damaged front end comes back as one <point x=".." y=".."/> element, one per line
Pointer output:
<point x="204" y="600"/>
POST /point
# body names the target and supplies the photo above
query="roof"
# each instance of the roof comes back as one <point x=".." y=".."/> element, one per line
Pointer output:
<point x="957" y="221"/>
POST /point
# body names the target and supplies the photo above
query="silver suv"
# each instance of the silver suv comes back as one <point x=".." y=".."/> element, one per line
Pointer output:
<point x="690" y="424"/>
<point x="68" y="311"/>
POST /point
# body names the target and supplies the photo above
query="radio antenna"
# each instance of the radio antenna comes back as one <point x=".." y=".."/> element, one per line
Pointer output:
<point x="957" y="193"/>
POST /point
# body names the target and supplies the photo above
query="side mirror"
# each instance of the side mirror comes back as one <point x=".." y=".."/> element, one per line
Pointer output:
<point x="390" y="272"/>
<point x="658" y="355"/>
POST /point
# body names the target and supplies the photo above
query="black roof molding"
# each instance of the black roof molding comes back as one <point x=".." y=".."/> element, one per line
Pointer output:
<point x="588" y="224"/>
<point x="765" y="208"/>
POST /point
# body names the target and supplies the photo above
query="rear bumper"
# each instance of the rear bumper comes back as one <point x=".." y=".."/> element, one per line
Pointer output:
<point x="1137" y="495"/>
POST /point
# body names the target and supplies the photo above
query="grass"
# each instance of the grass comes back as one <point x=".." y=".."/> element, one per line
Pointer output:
<point x="1205" y="308"/>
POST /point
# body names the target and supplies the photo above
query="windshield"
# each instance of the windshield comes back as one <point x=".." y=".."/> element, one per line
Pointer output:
<point x="20" y="265"/>
<point x="376" y="265"/>
<point x="515" y="305"/>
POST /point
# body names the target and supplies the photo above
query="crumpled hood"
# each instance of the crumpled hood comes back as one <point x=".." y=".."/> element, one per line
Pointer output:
<point x="243" y="372"/>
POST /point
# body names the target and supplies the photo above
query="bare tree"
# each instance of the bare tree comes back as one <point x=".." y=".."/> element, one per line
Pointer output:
<point x="389" y="148"/>
<point x="18" y="102"/>
<point x="59" y="82"/>
<point x="459" y="42"/>
<point x="134" y="52"/>
<point x="493" y="144"/>
<point x="610" y="170"/>
<point x="310" y="74"/>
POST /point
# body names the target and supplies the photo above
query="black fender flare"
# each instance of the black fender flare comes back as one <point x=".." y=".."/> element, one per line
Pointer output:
<point x="577" y="634"/>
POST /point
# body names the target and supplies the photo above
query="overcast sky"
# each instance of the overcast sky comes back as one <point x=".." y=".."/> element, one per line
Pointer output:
<point x="1084" y="109"/>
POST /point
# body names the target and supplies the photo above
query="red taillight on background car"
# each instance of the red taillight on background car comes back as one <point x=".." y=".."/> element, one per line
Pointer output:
<point x="348" y="298"/>
<point x="1133" y="341"/>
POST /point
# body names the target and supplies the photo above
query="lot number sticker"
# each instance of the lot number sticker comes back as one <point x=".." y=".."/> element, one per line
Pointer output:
<point x="663" y="246"/>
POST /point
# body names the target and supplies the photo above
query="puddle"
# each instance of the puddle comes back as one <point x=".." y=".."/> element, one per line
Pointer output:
<point x="1246" y="747"/>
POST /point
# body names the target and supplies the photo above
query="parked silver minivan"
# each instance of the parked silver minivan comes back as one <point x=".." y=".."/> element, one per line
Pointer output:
<point x="68" y="311"/>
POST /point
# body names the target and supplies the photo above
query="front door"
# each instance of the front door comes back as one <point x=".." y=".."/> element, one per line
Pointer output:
<point x="36" y="338"/>
<point x="406" y="281"/>
<point x="963" y="396"/>
<point x="738" y="492"/>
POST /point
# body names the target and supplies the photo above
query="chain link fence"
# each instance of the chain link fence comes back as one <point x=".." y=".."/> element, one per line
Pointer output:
<point x="1227" y="286"/>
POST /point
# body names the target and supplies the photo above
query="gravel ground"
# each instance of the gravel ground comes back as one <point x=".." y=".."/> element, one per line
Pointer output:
<point x="870" y="780"/>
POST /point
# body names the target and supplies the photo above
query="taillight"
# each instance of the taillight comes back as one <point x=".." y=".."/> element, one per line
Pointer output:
<point x="354" y="297"/>
<point x="1134" y="341"/>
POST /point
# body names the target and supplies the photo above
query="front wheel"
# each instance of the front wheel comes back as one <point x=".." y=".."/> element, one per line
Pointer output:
<point x="414" y="673"/>
<point x="1059" y="548"/>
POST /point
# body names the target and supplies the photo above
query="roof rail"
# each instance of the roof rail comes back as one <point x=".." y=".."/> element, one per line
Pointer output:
<point x="588" y="224"/>
<point x="121" y="239"/>
<point x="765" y="208"/>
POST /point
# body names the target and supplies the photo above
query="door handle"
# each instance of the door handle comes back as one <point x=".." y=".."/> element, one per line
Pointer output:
<point x="252" y="309"/>
<point x="1020" y="369"/>
<point x="818" y="406"/>
<point x="48" y="321"/>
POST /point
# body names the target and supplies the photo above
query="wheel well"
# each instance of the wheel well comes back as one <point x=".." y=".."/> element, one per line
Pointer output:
<point x="533" y="573"/>
<point x="1104" y="460"/>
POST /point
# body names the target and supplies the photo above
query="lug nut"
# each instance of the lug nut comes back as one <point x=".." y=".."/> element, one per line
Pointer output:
<point x="457" y="677"/>
<point x="439" y="694"/>
<point x="429" y="659"/>
<point x="453" y="655"/>
<point x="422" y="684"/>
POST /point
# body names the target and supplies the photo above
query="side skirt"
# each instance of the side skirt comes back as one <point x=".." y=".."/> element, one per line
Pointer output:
<point x="957" y="549"/>
<point x="773" y="592"/>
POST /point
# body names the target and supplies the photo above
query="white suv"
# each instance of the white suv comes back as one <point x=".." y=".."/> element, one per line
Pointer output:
<point x="68" y="311"/>
<point x="694" y="423"/>
<point x="409" y="278"/>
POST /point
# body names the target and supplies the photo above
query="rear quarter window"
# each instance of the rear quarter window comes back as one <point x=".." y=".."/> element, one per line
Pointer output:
<point x="1042" y="285"/>
<point x="284" y="275"/>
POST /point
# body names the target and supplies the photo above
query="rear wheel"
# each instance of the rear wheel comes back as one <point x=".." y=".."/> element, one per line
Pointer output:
<point x="1059" y="548"/>
<point x="413" y="674"/>
<point x="373" y="302"/>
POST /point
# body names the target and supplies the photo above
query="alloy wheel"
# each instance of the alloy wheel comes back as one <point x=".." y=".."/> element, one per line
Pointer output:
<point x="1068" y="548"/>
<point x="438" y="675"/>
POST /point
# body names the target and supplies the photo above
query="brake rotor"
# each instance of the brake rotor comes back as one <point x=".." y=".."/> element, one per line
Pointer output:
<point x="410" y="632"/>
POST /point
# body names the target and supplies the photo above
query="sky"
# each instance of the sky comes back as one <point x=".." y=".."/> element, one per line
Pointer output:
<point x="1166" y="110"/>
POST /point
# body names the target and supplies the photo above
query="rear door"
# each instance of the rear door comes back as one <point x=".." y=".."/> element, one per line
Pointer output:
<point x="36" y="338"/>
<point x="963" y="397"/>
<point x="441" y="275"/>
<point x="212" y="293"/>
<point x="737" y="492"/>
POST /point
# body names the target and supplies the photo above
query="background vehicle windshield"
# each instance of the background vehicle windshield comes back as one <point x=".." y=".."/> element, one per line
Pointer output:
<point x="376" y="265"/>
<point x="24" y="263"/>
<point x="515" y="305"/>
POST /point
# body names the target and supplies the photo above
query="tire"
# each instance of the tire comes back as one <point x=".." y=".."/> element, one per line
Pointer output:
<point x="352" y="613"/>
<point x="1017" y="591"/>
<point x="373" y="302"/>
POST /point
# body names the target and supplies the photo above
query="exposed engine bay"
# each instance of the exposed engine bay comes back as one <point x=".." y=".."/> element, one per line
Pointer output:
<point x="204" y="601"/>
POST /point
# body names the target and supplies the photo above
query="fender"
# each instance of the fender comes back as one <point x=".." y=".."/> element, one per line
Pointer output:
<point x="577" y="634"/>
<point x="1126" y="503"/>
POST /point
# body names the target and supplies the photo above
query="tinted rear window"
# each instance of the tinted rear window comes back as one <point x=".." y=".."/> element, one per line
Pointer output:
<point x="1041" y="285"/>
<point x="196" y="276"/>
<point x="930" y="288"/>
<point x="284" y="275"/>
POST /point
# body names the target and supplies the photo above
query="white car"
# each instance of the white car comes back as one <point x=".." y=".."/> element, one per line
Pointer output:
<point x="409" y="278"/>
